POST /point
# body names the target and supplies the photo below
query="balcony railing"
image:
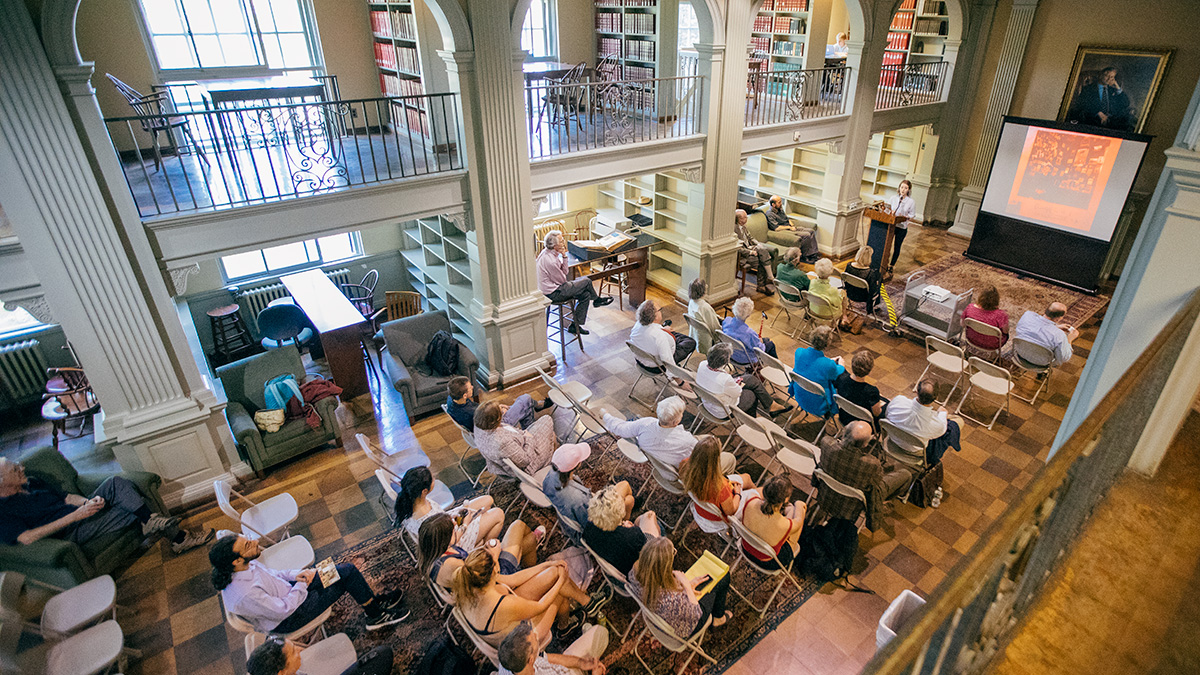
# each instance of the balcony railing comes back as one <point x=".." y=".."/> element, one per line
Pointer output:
<point x="974" y="611"/>
<point x="911" y="84"/>
<point x="780" y="96"/>
<point x="188" y="161"/>
<point x="564" y="118"/>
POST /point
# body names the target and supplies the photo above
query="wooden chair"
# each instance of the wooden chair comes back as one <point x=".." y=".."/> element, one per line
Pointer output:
<point x="540" y="230"/>
<point x="362" y="294"/>
<point x="563" y="99"/>
<point x="154" y="120"/>
<point x="76" y="402"/>
<point x="402" y="303"/>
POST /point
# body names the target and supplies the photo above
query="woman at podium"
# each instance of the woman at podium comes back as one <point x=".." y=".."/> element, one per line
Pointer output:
<point x="901" y="205"/>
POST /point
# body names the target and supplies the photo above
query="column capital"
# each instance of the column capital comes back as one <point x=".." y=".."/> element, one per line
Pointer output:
<point x="712" y="51"/>
<point x="76" y="80"/>
<point x="458" y="61"/>
<point x="179" y="277"/>
<point x="36" y="305"/>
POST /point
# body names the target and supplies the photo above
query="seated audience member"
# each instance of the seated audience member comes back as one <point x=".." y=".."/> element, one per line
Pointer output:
<point x="529" y="449"/>
<point x="735" y="327"/>
<point x="746" y="391"/>
<point x="1046" y="330"/>
<point x="668" y="592"/>
<point x="790" y="273"/>
<point x="440" y="551"/>
<point x="493" y="608"/>
<point x="521" y="653"/>
<point x="821" y="288"/>
<point x="917" y="417"/>
<point x="277" y="656"/>
<point x="610" y="534"/>
<point x="664" y="437"/>
<point x="812" y="364"/>
<point x="32" y="509"/>
<point x="702" y="476"/>
<point x="284" y="601"/>
<point x="649" y="335"/>
<point x="774" y="521"/>
<point x="480" y="519"/>
<point x="847" y="459"/>
<point x="702" y="312"/>
<point x="461" y="407"/>
<point x="755" y="254"/>
<point x="570" y="496"/>
<point x="986" y="309"/>
<point x="861" y="268"/>
<point x="778" y="221"/>
<point x="852" y="385"/>
<point x="554" y="281"/>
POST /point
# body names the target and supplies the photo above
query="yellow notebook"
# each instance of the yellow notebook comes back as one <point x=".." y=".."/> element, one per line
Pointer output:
<point x="708" y="564"/>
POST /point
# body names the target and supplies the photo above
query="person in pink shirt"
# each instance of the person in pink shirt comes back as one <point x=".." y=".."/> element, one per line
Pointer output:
<point x="986" y="309"/>
<point x="555" y="282"/>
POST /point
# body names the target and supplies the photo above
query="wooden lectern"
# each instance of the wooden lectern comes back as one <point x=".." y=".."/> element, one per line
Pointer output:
<point x="880" y="238"/>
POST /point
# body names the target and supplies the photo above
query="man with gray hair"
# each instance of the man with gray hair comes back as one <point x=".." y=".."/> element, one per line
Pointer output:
<point x="663" y="437"/>
<point x="848" y="459"/>
<point x="779" y="221"/>
<point x="555" y="282"/>
<point x="755" y="253"/>
<point x="649" y="336"/>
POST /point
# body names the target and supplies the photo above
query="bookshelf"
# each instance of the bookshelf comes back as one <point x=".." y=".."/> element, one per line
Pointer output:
<point x="674" y="206"/>
<point x="442" y="265"/>
<point x="891" y="157"/>
<point x="796" y="174"/>
<point x="641" y="36"/>
<point x="780" y="34"/>
<point x="917" y="34"/>
<point x="395" y="29"/>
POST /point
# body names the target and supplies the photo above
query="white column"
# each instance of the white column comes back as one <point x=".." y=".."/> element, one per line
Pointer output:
<point x="1012" y="53"/>
<point x="99" y="276"/>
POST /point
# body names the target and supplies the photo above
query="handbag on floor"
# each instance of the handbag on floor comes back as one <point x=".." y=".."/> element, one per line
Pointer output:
<point x="926" y="486"/>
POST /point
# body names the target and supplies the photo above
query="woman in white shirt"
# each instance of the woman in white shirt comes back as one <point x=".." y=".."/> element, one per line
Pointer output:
<point x="902" y="205"/>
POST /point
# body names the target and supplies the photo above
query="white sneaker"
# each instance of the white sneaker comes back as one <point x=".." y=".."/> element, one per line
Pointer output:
<point x="159" y="523"/>
<point x="192" y="539"/>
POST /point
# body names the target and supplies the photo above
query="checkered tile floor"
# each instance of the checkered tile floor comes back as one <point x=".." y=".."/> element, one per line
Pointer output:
<point x="174" y="617"/>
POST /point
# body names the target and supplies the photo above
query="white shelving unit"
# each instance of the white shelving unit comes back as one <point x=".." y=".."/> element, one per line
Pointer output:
<point x="443" y="264"/>
<point x="891" y="157"/>
<point x="796" y="174"/>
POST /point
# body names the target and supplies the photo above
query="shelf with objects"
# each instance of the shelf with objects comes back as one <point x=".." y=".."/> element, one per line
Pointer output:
<point x="916" y="42"/>
<point x="408" y="67"/>
<point x="796" y="174"/>
<point x="443" y="265"/>
<point x="635" y="40"/>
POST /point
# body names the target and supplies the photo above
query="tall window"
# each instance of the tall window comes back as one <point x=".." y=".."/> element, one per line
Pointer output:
<point x="554" y="204"/>
<point x="250" y="35"/>
<point x="689" y="35"/>
<point x="16" y="321"/>
<point x="539" y="35"/>
<point x="291" y="257"/>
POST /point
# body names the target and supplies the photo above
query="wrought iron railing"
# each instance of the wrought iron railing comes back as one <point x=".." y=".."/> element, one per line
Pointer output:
<point x="564" y="118"/>
<point x="971" y="616"/>
<point x="908" y="84"/>
<point x="779" y="96"/>
<point x="187" y="161"/>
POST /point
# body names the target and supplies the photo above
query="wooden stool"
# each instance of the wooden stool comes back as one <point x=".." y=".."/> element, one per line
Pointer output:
<point x="566" y="317"/>
<point x="229" y="332"/>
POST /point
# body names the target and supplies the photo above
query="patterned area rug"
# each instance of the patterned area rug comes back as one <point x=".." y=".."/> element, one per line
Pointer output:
<point x="1018" y="293"/>
<point x="386" y="565"/>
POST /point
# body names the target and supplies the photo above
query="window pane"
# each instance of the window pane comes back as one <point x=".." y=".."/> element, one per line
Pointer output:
<point x="174" y="51"/>
<point x="295" y="50"/>
<point x="243" y="264"/>
<point x="287" y="15"/>
<point x="262" y="12"/>
<point x="228" y="15"/>
<point x="274" y="55"/>
<point x="162" y="17"/>
<point x="288" y="255"/>
<point x="208" y="49"/>
<point x="238" y="50"/>
<point x="199" y="16"/>
<point x="17" y="319"/>
<point x="337" y="247"/>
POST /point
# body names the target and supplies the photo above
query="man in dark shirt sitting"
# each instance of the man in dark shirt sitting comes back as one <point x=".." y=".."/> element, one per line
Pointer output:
<point x="852" y="385"/>
<point x="32" y="509"/>
<point x="848" y="459"/>
<point x="778" y="221"/>
<point x="461" y="405"/>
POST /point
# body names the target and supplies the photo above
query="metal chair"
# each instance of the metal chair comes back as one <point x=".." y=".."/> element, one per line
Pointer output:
<point x="989" y="379"/>
<point x="844" y="490"/>
<point x="242" y="625"/>
<point x="854" y="410"/>
<point x="531" y="487"/>
<point x="709" y="400"/>
<point x="640" y="358"/>
<point x="685" y="376"/>
<point x="810" y="387"/>
<point x="943" y="357"/>
<point x="867" y="312"/>
<point x="615" y="580"/>
<point x="750" y="431"/>
<point x="796" y="455"/>
<point x="820" y="313"/>
<point x="701" y="330"/>
<point x="666" y="636"/>
<point x="559" y="391"/>
<point x="488" y="651"/>
<point x="773" y="372"/>
<point x="469" y="437"/>
<point x="155" y="120"/>
<point x="784" y="572"/>
<point x="738" y="346"/>
<point x="331" y="656"/>
<point x="786" y="307"/>
<point x="632" y="452"/>
<point x="902" y="446"/>
<point x="1022" y="350"/>
<point x="261" y="520"/>
<point x="59" y="612"/>
<point x="98" y="649"/>
<point x="986" y="330"/>
<point x="284" y="323"/>
<point x="667" y="478"/>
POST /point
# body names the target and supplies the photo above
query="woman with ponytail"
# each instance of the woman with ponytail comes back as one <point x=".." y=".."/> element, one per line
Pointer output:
<point x="477" y="520"/>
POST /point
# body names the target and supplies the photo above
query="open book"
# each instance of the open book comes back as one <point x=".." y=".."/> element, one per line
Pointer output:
<point x="708" y="564"/>
<point x="609" y="242"/>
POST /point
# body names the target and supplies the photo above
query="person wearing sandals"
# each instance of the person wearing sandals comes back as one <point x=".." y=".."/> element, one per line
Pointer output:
<point x="479" y="519"/>
<point x="671" y="595"/>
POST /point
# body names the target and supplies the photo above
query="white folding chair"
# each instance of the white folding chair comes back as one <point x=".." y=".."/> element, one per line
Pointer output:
<point x="1027" y="356"/>
<point x="704" y="414"/>
<point x="558" y="390"/>
<point x="701" y="330"/>
<point x="439" y="494"/>
<point x="854" y="410"/>
<point x="531" y="487"/>
<point x="262" y="520"/>
<point x="773" y="372"/>
<point x="686" y="390"/>
<point x="667" y="478"/>
<point x="902" y="446"/>
<point x="468" y="436"/>
<point x="331" y="656"/>
<point x="750" y="431"/>
<point x="986" y="330"/>
<point x="725" y="533"/>
<point x="640" y="361"/>
<point x="989" y="380"/>
<point x="615" y="580"/>
<point x="786" y="307"/>
<point x="737" y="345"/>
<point x="844" y="490"/>
<point x="242" y="625"/>
<point x="660" y="630"/>
<point x="396" y="464"/>
<point x="820" y="313"/>
<point x="632" y="452"/>
<point x="488" y="651"/>
<point x="92" y="651"/>
<point x="811" y="387"/>
<point x="794" y="454"/>
<point x="293" y="553"/>
<point x="945" y="359"/>
<point x="867" y="312"/>
<point x="784" y="572"/>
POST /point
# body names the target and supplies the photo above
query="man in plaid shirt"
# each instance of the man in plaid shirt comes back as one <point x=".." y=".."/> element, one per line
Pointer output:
<point x="848" y="460"/>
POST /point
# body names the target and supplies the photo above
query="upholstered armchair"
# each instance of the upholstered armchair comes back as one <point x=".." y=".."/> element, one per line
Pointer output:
<point x="757" y="225"/>
<point x="64" y="563"/>
<point x="404" y="359"/>
<point x="244" y="381"/>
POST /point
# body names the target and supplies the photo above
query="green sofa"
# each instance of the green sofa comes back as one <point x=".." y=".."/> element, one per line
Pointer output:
<point x="756" y="223"/>
<point x="65" y="563"/>
<point x="243" y="381"/>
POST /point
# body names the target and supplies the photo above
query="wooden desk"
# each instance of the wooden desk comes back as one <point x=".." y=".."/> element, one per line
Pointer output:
<point x="637" y="260"/>
<point x="339" y="324"/>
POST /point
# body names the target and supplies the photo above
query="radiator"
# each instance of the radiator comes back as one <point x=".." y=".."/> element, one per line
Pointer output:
<point x="254" y="300"/>
<point x="22" y="371"/>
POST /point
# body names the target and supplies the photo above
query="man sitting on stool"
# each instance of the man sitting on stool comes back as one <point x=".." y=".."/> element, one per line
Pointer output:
<point x="277" y="656"/>
<point x="553" y="281"/>
<point x="649" y="335"/>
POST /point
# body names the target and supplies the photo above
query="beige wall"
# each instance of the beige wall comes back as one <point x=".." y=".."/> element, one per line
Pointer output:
<point x="839" y="20"/>
<point x="577" y="31"/>
<point x="346" y="42"/>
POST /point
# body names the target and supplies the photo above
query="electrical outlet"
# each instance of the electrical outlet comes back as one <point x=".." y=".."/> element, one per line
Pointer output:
<point x="353" y="113"/>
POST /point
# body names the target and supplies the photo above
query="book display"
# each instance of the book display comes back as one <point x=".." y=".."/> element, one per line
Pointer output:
<point x="639" y="36"/>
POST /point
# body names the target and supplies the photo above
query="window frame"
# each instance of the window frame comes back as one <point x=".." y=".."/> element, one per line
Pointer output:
<point x="550" y="17"/>
<point x="551" y="208"/>
<point x="355" y="243"/>
<point x="18" y="334"/>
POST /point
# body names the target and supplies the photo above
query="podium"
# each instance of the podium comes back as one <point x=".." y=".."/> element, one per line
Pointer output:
<point x="880" y="238"/>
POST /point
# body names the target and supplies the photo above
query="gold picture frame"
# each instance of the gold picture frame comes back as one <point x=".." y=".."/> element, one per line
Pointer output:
<point x="1137" y="74"/>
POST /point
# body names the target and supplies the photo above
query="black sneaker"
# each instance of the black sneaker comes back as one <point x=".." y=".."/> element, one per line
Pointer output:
<point x="599" y="599"/>
<point x="600" y="302"/>
<point x="391" y="600"/>
<point x="578" y="330"/>
<point x="573" y="621"/>
<point x="388" y="617"/>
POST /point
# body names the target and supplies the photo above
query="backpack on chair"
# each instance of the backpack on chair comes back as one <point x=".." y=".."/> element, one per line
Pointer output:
<point x="442" y="354"/>
<point x="443" y="657"/>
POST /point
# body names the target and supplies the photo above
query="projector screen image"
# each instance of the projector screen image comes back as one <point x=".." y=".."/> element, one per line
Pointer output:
<point x="1067" y="180"/>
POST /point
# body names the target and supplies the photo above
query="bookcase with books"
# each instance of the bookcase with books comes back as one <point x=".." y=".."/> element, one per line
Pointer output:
<point x="891" y="156"/>
<point x="779" y="36"/>
<point x="394" y="26"/>
<point x="443" y="265"/>
<point x="640" y="36"/>
<point x="917" y="34"/>
<point x="796" y="174"/>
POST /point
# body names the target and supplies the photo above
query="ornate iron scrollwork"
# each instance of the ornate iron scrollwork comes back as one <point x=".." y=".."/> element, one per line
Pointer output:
<point x="796" y="81"/>
<point x="620" y="104"/>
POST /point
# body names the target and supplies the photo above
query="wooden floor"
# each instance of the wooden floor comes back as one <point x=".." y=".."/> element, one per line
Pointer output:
<point x="177" y="623"/>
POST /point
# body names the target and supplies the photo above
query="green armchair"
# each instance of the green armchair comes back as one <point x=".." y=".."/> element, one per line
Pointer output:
<point x="244" y="381"/>
<point x="64" y="563"/>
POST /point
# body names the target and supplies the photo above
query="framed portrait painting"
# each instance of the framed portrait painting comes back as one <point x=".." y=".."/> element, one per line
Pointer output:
<point x="1113" y="87"/>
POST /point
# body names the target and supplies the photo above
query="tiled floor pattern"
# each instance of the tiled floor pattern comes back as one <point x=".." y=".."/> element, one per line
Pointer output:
<point x="1123" y="600"/>
<point x="175" y="618"/>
